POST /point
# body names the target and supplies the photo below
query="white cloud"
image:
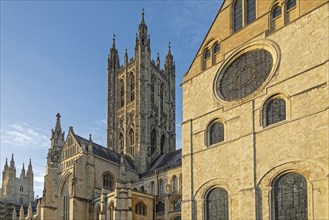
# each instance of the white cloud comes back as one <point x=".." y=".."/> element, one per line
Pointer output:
<point x="21" y="134"/>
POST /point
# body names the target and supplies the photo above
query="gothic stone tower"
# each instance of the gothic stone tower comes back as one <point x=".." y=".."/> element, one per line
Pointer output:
<point x="17" y="190"/>
<point x="141" y="103"/>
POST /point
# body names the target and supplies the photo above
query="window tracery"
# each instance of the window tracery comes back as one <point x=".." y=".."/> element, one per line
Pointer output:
<point x="161" y="187"/>
<point x="290" y="197"/>
<point x="108" y="181"/>
<point x="217" y="204"/>
<point x="140" y="208"/>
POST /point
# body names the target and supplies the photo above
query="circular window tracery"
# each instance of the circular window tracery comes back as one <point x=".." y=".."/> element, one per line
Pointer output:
<point x="244" y="75"/>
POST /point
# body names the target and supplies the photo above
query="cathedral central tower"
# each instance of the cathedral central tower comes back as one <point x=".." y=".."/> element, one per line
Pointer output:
<point x="141" y="102"/>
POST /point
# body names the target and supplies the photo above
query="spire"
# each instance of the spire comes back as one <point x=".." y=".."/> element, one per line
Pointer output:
<point x="158" y="60"/>
<point x="29" y="168"/>
<point x="142" y="31"/>
<point x="58" y="123"/>
<point x="12" y="162"/>
<point x="89" y="147"/>
<point x="126" y="57"/>
<point x="6" y="164"/>
<point x="23" y="172"/>
<point x="113" y="41"/>
<point x="122" y="174"/>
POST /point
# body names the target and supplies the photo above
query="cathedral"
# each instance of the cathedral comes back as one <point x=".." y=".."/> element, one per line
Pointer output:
<point x="138" y="174"/>
<point x="17" y="190"/>
<point x="254" y="131"/>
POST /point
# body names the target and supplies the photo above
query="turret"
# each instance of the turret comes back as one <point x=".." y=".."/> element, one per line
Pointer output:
<point x="22" y="176"/>
<point x="143" y="42"/>
<point x="57" y="142"/>
<point x="113" y="65"/>
<point x="169" y="70"/>
<point x="12" y="162"/>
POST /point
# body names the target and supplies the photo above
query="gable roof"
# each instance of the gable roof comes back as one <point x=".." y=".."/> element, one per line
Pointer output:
<point x="105" y="153"/>
<point x="165" y="162"/>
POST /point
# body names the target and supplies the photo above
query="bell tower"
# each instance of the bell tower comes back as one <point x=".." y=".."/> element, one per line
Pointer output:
<point x="141" y="102"/>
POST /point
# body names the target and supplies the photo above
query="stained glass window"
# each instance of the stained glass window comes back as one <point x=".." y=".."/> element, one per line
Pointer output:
<point x="275" y="111"/>
<point x="244" y="75"/>
<point x="237" y="15"/>
<point x="160" y="207"/>
<point x="216" y="133"/>
<point x="290" y="197"/>
<point x="217" y="204"/>
<point x="251" y="10"/>
<point x="291" y="4"/>
<point x="177" y="204"/>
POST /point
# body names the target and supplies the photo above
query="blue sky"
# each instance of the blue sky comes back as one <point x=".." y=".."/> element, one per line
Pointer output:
<point x="54" y="59"/>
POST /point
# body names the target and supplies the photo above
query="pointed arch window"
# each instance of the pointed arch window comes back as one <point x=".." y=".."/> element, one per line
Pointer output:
<point x="216" y="204"/>
<point x="251" y="10"/>
<point x="121" y="141"/>
<point x="66" y="201"/>
<point x="140" y="208"/>
<point x="291" y="4"/>
<point x="153" y="141"/>
<point x="160" y="207"/>
<point x="177" y="204"/>
<point x="152" y="188"/>
<point x="162" y="144"/>
<point x="153" y="82"/>
<point x="132" y="142"/>
<point x="141" y="189"/>
<point x="275" y="111"/>
<point x="161" y="187"/>
<point x="174" y="183"/>
<point x="111" y="212"/>
<point x="161" y="96"/>
<point x="237" y="15"/>
<point x="108" y="181"/>
<point x="216" y="132"/>
<point x="276" y="12"/>
<point x="122" y="93"/>
<point x="21" y="200"/>
<point x="21" y="188"/>
<point x="290" y="197"/>
<point x="132" y="87"/>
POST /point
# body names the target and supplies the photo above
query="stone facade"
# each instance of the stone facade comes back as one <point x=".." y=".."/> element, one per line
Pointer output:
<point x="247" y="162"/>
<point x="17" y="190"/>
<point x="123" y="180"/>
